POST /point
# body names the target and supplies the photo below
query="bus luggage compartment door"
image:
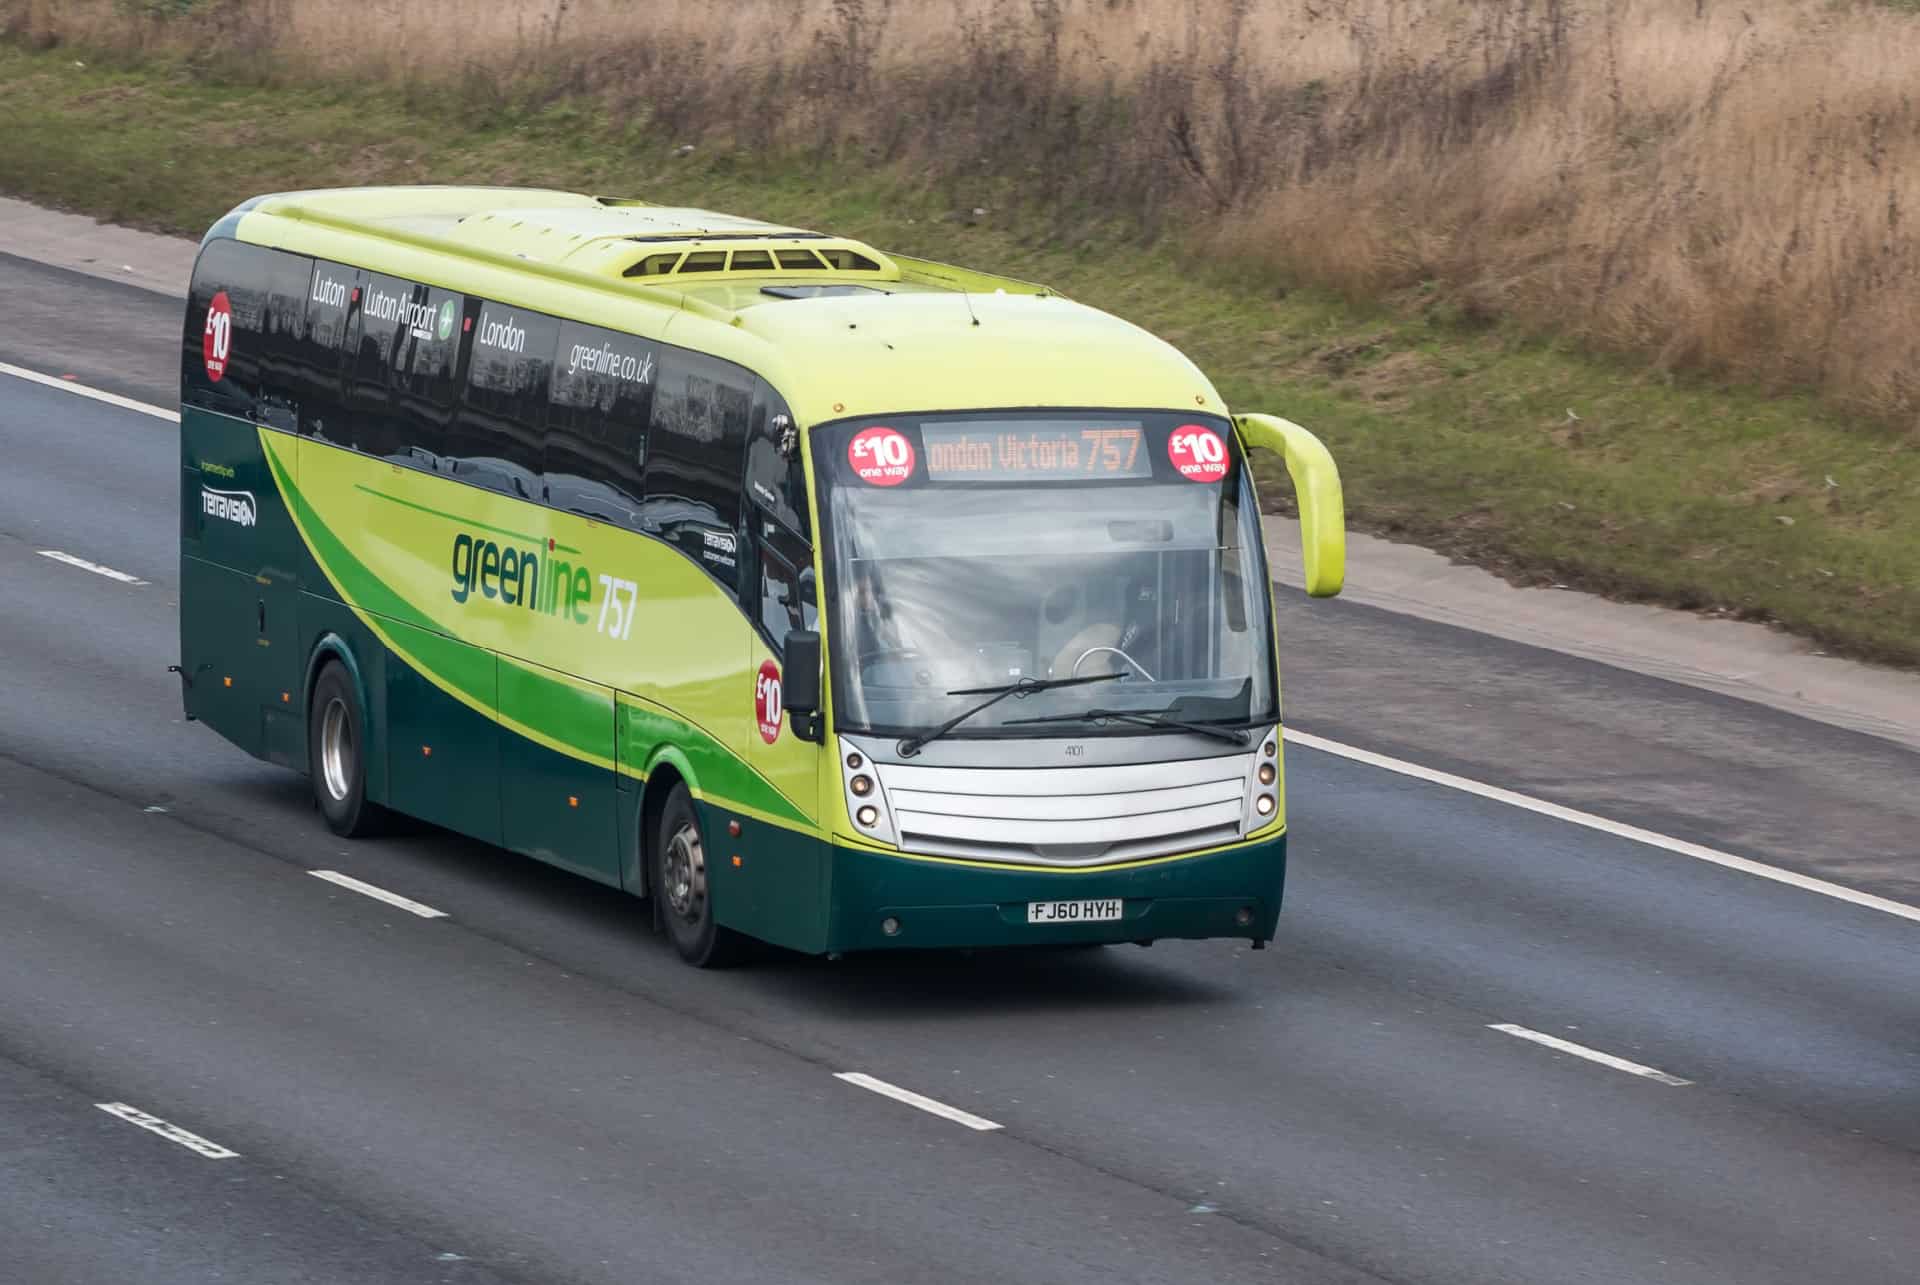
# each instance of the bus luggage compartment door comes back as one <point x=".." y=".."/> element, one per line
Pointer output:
<point x="558" y="800"/>
<point x="443" y="758"/>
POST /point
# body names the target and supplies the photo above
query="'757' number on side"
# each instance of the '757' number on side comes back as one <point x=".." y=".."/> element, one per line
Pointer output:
<point x="616" y="606"/>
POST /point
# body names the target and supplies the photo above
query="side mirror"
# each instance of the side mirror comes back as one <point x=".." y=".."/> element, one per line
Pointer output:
<point x="1316" y="484"/>
<point x="800" y="684"/>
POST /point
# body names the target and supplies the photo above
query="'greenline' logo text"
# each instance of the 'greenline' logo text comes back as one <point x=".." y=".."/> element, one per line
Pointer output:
<point x="521" y="578"/>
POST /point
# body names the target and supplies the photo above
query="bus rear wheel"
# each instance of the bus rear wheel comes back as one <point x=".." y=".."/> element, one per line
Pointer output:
<point x="336" y="754"/>
<point x="682" y="890"/>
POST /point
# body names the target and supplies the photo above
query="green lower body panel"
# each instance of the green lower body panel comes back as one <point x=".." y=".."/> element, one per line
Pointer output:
<point x="1232" y="893"/>
<point x="236" y="651"/>
<point x="555" y="807"/>
<point x="443" y="759"/>
<point x="768" y="881"/>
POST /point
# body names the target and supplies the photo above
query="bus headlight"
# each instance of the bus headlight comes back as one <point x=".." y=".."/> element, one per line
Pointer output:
<point x="1263" y="783"/>
<point x="866" y="793"/>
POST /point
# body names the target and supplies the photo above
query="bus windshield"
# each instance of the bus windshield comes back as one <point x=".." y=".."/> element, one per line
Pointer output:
<point x="973" y="551"/>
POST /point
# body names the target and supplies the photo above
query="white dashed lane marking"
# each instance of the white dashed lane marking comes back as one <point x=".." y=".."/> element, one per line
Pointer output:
<point x="171" y="1132"/>
<point x="1592" y="1055"/>
<point x="94" y="567"/>
<point x="378" y="894"/>
<point x="912" y="1099"/>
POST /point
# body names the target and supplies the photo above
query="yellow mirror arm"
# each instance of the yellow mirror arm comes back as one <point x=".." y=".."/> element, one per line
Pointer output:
<point x="1316" y="483"/>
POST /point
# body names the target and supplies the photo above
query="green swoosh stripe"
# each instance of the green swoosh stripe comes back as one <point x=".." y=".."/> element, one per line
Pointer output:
<point x="724" y="778"/>
<point x="568" y="717"/>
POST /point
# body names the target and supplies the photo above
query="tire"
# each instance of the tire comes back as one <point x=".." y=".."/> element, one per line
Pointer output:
<point x="682" y="894"/>
<point x="336" y="756"/>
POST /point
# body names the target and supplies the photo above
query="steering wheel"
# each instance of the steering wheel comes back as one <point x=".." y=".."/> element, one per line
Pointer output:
<point x="1075" y="672"/>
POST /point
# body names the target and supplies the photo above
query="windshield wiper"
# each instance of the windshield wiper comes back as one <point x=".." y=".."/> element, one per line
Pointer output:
<point x="1022" y="688"/>
<point x="1144" y="718"/>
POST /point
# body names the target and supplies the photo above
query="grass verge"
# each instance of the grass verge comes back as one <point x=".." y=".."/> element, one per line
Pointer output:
<point x="1545" y="465"/>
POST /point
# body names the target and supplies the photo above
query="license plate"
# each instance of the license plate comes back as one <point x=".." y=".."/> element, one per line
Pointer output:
<point x="1074" y="912"/>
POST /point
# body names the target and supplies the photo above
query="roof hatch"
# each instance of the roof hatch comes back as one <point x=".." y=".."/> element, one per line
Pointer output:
<point x="652" y="242"/>
<point x="769" y="255"/>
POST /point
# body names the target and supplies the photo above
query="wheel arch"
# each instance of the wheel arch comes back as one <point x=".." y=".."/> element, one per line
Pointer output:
<point x="667" y="768"/>
<point x="331" y="646"/>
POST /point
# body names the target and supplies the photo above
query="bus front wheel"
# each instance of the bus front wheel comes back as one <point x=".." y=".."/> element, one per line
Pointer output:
<point x="336" y="752"/>
<point x="680" y="882"/>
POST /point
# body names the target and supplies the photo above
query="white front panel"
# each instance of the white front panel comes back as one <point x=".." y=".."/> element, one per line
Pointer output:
<point x="1068" y="816"/>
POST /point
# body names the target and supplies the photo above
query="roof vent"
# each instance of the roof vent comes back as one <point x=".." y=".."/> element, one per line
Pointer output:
<point x="696" y="258"/>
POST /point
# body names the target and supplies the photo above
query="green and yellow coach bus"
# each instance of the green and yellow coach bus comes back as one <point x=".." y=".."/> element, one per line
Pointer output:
<point x="821" y="596"/>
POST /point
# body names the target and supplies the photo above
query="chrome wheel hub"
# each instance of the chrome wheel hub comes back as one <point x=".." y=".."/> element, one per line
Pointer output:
<point x="336" y="750"/>
<point x="684" y="872"/>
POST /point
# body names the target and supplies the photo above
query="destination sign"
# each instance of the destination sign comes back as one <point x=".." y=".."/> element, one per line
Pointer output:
<point x="1018" y="452"/>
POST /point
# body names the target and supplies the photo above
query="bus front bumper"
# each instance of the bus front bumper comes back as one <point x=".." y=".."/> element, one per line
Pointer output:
<point x="1230" y="892"/>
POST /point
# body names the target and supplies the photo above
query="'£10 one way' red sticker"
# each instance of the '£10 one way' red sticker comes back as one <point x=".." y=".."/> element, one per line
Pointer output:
<point x="881" y="456"/>
<point x="1197" y="453"/>
<point x="767" y="706"/>
<point x="218" y="339"/>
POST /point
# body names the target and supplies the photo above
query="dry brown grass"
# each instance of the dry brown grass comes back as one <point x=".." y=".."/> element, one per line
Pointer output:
<point x="1725" y="188"/>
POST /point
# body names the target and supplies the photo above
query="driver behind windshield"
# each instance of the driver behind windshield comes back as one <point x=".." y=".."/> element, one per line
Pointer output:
<point x="1124" y="641"/>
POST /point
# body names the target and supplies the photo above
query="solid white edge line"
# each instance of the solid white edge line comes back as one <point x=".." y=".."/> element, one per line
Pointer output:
<point x="378" y="894"/>
<point x="171" y="1132"/>
<point x="1592" y="1055"/>
<point x="94" y="567"/>
<point x="93" y="394"/>
<point x="913" y="1099"/>
<point x="1573" y="816"/>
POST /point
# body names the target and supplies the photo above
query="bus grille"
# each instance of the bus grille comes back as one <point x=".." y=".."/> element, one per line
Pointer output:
<point x="1067" y="816"/>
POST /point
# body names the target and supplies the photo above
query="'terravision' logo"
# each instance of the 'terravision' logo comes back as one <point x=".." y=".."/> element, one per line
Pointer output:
<point x="229" y="506"/>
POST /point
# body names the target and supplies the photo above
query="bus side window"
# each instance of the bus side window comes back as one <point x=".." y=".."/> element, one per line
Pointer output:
<point x="776" y="486"/>
<point x="497" y="437"/>
<point x="225" y="340"/>
<point x="283" y="325"/>
<point x="424" y="376"/>
<point x="691" y="476"/>
<point x="374" y="425"/>
<point x="596" y="438"/>
<point x="776" y="478"/>
<point x="787" y="597"/>
<point x="313" y="356"/>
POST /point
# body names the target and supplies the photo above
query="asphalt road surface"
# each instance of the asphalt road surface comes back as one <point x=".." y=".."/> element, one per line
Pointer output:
<point x="532" y="1088"/>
